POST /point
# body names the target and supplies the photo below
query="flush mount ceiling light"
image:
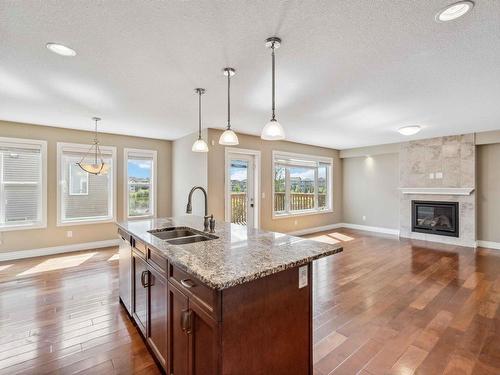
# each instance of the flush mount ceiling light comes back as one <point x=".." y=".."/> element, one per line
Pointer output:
<point x="199" y="145"/>
<point x="273" y="131"/>
<point x="61" y="50"/>
<point x="454" y="11"/>
<point x="409" y="130"/>
<point x="229" y="137"/>
<point x="92" y="162"/>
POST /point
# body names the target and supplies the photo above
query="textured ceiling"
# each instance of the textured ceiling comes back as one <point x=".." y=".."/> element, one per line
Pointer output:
<point x="349" y="72"/>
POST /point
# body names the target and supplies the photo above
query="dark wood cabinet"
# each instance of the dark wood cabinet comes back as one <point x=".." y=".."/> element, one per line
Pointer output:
<point x="262" y="326"/>
<point x="203" y="342"/>
<point x="178" y="334"/>
<point x="140" y="291"/>
<point x="157" y="315"/>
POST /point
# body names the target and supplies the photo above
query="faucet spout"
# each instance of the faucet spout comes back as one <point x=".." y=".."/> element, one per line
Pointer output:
<point x="189" y="207"/>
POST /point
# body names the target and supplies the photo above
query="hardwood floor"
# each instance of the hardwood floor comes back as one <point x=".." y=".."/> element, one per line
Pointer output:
<point x="382" y="306"/>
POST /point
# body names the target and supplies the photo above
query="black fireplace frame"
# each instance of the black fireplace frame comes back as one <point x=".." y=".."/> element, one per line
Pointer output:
<point x="441" y="232"/>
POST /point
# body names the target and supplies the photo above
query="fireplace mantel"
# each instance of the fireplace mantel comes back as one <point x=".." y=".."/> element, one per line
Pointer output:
<point x="437" y="191"/>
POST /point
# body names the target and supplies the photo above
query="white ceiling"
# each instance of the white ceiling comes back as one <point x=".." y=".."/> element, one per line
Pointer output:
<point x="349" y="72"/>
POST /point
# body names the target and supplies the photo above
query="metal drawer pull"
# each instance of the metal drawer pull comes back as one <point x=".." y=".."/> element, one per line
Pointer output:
<point x="186" y="321"/>
<point x="187" y="283"/>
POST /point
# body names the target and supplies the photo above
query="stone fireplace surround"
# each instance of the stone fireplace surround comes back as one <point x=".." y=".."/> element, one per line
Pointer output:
<point x="439" y="169"/>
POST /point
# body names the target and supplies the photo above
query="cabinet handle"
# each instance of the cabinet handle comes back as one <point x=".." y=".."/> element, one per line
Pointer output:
<point x="143" y="278"/>
<point x="187" y="283"/>
<point x="186" y="321"/>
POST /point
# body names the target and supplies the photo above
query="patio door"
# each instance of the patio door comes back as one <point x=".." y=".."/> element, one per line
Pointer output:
<point x="241" y="193"/>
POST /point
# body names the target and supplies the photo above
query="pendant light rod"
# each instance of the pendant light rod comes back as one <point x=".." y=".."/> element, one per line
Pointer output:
<point x="273" y="43"/>
<point x="96" y="142"/>
<point x="229" y="72"/>
<point x="200" y="92"/>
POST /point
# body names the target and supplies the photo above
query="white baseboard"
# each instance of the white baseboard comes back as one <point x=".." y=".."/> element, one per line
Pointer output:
<point x="302" y="232"/>
<point x="13" y="255"/>
<point x="394" y="232"/>
<point x="367" y="228"/>
<point x="489" y="244"/>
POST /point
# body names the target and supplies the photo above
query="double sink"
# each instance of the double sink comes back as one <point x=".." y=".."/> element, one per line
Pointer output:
<point x="181" y="235"/>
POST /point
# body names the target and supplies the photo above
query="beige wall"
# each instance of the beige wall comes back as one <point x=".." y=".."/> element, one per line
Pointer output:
<point x="488" y="192"/>
<point x="188" y="169"/>
<point x="56" y="236"/>
<point x="370" y="189"/>
<point x="216" y="160"/>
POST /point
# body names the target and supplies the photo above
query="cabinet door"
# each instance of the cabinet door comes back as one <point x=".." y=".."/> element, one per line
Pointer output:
<point x="178" y="333"/>
<point x="140" y="301"/>
<point x="203" y="342"/>
<point x="157" y="310"/>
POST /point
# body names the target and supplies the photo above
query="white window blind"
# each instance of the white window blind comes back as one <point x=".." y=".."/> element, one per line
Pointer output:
<point x="302" y="184"/>
<point x="84" y="197"/>
<point x="22" y="188"/>
<point x="140" y="183"/>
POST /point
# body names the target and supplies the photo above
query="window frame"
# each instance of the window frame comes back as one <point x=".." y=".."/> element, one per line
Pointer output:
<point x="312" y="158"/>
<point x="29" y="143"/>
<point x="78" y="147"/>
<point x="154" y="170"/>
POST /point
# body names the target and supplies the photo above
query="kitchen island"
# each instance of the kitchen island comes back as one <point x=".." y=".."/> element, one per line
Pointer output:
<point x="238" y="301"/>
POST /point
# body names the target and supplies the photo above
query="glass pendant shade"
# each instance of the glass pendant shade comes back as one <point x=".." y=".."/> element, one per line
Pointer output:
<point x="273" y="131"/>
<point x="200" y="146"/>
<point x="228" y="138"/>
<point x="92" y="168"/>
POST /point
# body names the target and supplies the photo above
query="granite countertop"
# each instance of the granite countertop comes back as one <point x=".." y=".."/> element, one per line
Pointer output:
<point x="239" y="255"/>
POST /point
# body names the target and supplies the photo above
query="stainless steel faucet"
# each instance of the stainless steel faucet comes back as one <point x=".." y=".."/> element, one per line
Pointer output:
<point x="207" y="219"/>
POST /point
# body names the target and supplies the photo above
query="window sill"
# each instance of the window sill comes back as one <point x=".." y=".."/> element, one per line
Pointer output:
<point x="85" y="222"/>
<point x="143" y="217"/>
<point x="300" y="213"/>
<point x="22" y="227"/>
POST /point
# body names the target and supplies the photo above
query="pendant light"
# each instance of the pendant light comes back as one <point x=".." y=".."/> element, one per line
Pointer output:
<point x="92" y="162"/>
<point x="273" y="131"/>
<point x="199" y="145"/>
<point x="229" y="137"/>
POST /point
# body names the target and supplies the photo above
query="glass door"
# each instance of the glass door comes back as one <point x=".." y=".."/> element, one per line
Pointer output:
<point x="241" y="191"/>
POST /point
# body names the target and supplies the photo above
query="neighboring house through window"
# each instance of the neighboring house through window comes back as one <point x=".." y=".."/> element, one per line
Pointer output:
<point x="140" y="180"/>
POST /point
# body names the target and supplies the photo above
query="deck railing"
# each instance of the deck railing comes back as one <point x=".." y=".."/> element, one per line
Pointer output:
<point x="239" y="208"/>
<point x="298" y="201"/>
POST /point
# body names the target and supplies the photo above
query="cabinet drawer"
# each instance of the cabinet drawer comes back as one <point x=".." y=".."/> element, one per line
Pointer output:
<point x="157" y="261"/>
<point x="206" y="297"/>
<point x="140" y="246"/>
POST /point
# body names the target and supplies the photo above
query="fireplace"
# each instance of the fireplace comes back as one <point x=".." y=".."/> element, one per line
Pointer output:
<point x="439" y="218"/>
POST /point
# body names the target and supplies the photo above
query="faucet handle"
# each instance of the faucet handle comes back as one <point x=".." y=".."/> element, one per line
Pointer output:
<point x="206" y="222"/>
<point x="212" y="224"/>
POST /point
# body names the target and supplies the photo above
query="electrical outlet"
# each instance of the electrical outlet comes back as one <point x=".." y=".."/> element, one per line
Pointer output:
<point x="431" y="176"/>
<point x="364" y="218"/>
<point x="213" y="142"/>
<point x="263" y="195"/>
<point x="439" y="175"/>
<point x="295" y="222"/>
<point x="69" y="233"/>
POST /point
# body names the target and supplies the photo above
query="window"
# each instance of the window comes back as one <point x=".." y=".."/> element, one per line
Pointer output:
<point x="84" y="198"/>
<point x="23" y="184"/>
<point x="301" y="184"/>
<point x="140" y="180"/>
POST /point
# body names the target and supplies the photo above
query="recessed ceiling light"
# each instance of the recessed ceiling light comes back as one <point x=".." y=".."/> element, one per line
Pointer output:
<point x="454" y="11"/>
<point x="409" y="130"/>
<point x="60" y="49"/>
